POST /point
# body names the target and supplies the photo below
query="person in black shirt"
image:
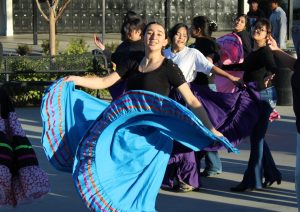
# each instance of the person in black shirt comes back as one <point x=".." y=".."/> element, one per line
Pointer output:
<point x="240" y="26"/>
<point x="201" y="30"/>
<point x="260" y="67"/>
<point x="150" y="72"/>
<point x="131" y="33"/>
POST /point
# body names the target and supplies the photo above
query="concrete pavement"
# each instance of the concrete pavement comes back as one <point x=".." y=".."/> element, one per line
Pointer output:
<point x="213" y="196"/>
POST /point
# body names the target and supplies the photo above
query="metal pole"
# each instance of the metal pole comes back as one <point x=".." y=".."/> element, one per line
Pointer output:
<point x="241" y="6"/>
<point x="103" y="20"/>
<point x="34" y="22"/>
<point x="167" y="13"/>
<point x="290" y="18"/>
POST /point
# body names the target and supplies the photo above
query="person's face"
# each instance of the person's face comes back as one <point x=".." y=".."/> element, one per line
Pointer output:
<point x="260" y="34"/>
<point x="273" y="5"/>
<point x="155" y="37"/>
<point x="180" y="38"/>
<point x="195" y="33"/>
<point x="134" y="35"/>
<point x="254" y="6"/>
<point x="240" y="24"/>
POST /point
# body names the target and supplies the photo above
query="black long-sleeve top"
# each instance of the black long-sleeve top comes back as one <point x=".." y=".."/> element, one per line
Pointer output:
<point x="125" y="48"/>
<point x="209" y="48"/>
<point x="123" y="51"/>
<point x="246" y="41"/>
<point x="257" y="65"/>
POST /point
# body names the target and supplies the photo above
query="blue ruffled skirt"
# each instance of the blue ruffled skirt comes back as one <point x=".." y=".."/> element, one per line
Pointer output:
<point x="117" y="152"/>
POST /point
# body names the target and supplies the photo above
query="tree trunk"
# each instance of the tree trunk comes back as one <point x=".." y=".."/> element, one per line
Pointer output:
<point x="52" y="34"/>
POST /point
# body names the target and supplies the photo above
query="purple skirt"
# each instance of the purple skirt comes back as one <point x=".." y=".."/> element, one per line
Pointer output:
<point x="21" y="178"/>
<point x="233" y="114"/>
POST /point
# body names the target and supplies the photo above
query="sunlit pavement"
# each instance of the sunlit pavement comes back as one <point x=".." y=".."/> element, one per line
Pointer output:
<point x="214" y="194"/>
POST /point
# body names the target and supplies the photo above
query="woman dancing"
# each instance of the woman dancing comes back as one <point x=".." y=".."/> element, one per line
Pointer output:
<point x="119" y="158"/>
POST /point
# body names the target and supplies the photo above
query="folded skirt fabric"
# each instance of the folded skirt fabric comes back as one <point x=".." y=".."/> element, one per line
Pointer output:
<point x="117" y="152"/>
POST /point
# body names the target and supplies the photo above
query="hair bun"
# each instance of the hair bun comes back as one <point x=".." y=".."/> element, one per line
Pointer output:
<point x="213" y="26"/>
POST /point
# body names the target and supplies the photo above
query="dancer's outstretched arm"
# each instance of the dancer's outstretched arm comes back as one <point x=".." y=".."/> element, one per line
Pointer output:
<point x="235" y="80"/>
<point x="197" y="108"/>
<point x="95" y="82"/>
<point x="285" y="59"/>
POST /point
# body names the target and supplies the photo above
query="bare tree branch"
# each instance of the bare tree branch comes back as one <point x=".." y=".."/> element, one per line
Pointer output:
<point x="41" y="10"/>
<point x="62" y="8"/>
<point x="48" y="3"/>
<point x="55" y="6"/>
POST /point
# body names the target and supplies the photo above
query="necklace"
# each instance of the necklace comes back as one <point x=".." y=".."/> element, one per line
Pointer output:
<point x="148" y="66"/>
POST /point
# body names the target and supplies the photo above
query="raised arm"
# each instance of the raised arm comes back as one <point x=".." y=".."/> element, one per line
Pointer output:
<point x="285" y="59"/>
<point x="235" y="80"/>
<point x="95" y="82"/>
<point x="202" y="63"/>
<point x="98" y="42"/>
<point x="195" y="105"/>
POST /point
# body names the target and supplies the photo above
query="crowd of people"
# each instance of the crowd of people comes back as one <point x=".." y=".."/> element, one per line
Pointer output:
<point x="225" y="82"/>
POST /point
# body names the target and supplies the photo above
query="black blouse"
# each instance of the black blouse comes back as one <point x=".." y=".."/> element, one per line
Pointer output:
<point x="259" y="64"/>
<point x="160" y="81"/>
<point x="246" y="41"/>
<point x="127" y="47"/>
<point x="209" y="48"/>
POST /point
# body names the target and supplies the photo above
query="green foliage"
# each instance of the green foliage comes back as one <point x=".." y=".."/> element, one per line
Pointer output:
<point x="24" y="69"/>
<point x="111" y="46"/>
<point x="46" y="46"/>
<point x="76" y="46"/>
<point x="23" y="49"/>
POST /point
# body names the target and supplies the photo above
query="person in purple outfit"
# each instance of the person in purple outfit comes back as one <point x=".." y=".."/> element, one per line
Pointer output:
<point x="182" y="171"/>
<point x="201" y="29"/>
<point x="260" y="67"/>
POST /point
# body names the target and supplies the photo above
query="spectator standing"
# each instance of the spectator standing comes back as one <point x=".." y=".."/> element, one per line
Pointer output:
<point x="254" y="13"/>
<point x="278" y="22"/>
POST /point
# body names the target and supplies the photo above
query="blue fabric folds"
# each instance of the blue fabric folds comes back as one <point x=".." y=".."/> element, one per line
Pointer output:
<point x="66" y="114"/>
<point x="119" y="151"/>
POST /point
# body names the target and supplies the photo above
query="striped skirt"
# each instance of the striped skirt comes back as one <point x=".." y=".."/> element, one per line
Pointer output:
<point x="117" y="152"/>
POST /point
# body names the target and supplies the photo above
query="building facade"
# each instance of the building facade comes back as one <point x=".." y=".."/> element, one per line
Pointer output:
<point x="86" y="15"/>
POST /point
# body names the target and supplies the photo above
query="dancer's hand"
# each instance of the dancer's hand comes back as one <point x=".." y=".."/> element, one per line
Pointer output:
<point x="237" y="81"/>
<point x="217" y="133"/>
<point x="75" y="79"/>
<point x="268" y="79"/>
<point x="272" y="43"/>
<point x="98" y="42"/>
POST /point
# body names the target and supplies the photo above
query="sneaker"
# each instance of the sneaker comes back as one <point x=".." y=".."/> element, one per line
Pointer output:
<point x="209" y="174"/>
<point x="183" y="187"/>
